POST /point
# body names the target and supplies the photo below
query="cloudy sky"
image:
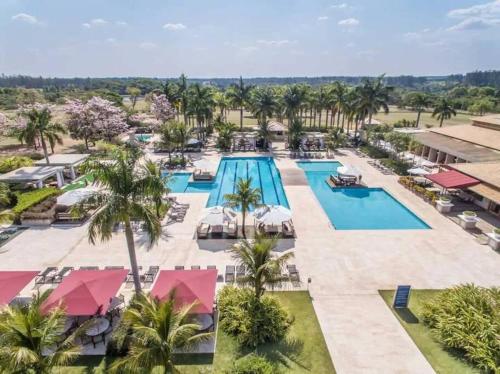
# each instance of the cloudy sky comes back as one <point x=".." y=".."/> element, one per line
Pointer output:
<point x="226" y="38"/>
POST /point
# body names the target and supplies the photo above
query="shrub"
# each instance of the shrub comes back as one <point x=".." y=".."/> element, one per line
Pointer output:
<point x="251" y="321"/>
<point x="28" y="199"/>
<point x="398" y="166"/>
<point x="469" y="213"/>
<point x="253" y="364"/>
<point x="14" y="162"/>
<point x="374" y="152"/>
<point x="467" y="318"/>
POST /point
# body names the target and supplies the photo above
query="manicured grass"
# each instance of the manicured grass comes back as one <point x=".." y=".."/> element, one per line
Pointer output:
<point x="396" y="114"/>
<point x="442" y="360"/>
<point x="303" y="350"/>
<point x="81" y="182"/>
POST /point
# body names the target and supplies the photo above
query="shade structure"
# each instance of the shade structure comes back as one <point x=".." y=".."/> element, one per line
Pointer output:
<point x="193" y="141"/>
<point x="426" y="163"/>
<point x="349" y="170"/>
<point x="86" y="292"/>
<point x="217" y="216"/>
<point x="75" y="196"/>
<point x="417" y="171"/>
<point x="189" y="286"/>
<point x="452" y="179"/>
<point x="272" y="214"/>
<point x="12" y="282"/>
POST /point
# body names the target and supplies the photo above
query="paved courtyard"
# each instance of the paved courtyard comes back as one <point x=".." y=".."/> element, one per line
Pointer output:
<point x="347" y="268"/>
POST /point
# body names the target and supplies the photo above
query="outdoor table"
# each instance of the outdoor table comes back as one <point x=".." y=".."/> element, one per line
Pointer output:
<point x="205" y="321"/>
<point x="99" y="325"/>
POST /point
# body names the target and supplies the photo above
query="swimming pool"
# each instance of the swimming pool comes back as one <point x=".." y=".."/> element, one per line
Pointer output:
<point x="358" y="208"/>
<point x="143" y="137"/>
<point x="262" y="170"/>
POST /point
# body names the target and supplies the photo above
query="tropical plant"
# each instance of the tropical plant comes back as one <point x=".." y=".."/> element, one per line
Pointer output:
<point x="153" y="329"/>
<point x="295" y="134"/>
<point x="239" y="95"/>
<point x="253" y="322"/>
<point x="262" y="268"/>
<point x="39" y="125"/>
<point x="419" y="101"/>
<point x="335" y="138"/>
<point x="181" y="135"/>
<point x="130" y="192"/>
<point x="372" y="95"/>
<point x="263" y="104"/>
<point x="6" y="215"/>
<point x="481" y="106"/>
<point x="225" y="133"/>
<point x="162" y="108"/>
<point x="243" y="198"/>
<point x="467" y="318"/>
<point x="201" y="103"/>
<point x="134" y="93"/>
<point x="31" y="341"/>
<point x="293" y="98"/>
<point x="443" y="110"/>
<point x="168" y="139"/>
<point x="264" y="133"/>
<point x="253" y="364"/>
<point x="10" y="163"/>
<point x="222" y="102"/>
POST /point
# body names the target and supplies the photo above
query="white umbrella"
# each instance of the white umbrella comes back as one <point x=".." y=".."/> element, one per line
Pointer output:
<point x="217" y="216"/>
<point x="349" y="170"/>
<point x="75" y="196"/>
<point x="427" y="163"/>
<point x="204" y="164"/>
<point x="272" y="214"/>
<point x="417" y="171"/>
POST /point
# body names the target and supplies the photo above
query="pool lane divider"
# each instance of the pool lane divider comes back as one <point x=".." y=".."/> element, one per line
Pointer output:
<point x="220" y="188"/>
<point x="260" y="182"/>
<point x="274" y="184"/>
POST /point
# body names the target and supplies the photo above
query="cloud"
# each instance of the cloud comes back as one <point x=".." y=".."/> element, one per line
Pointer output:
<point x="174" y="26"/>
<point x="27" y="18"/>
<point x="94" y="22"/>
<point x="474" y="23"/>
<point x="348" y="22"/>
<point x="275" y="43"/>
<point x="121" y="23"/>
<point x="148" y="45"/>
<point x="111" y="40"/>
<point x="339" y="6"/>
<point x="488" y="10"/>
<point x="322" y="18"/>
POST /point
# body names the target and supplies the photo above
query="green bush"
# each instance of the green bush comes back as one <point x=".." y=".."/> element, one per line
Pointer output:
<point x="14" y="162"/>
<point x="26" y="200"/>
<point x="374" y="152"/>
<point x="467" y="318"/>
<point x="253" y="364"/>
<point x="251" y="321"/>
<point x="398" y="166"/>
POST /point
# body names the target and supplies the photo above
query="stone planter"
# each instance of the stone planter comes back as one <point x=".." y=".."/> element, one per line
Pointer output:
<point x="443" y="206"/>
<point x="468" y="222"/>
<point x="494" y="241"/>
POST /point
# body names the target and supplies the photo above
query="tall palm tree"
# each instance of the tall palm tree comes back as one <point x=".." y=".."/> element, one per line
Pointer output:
<point x="222" y="102"/>
<point x="373" y="94"/>
<point x="336" y="138"/>
<point x="295" y="133"/>
<point x="130" y="191"/>
<point x="183" y="95"/>
<point x="182" y="133"/>
<point x="419" y="101"/>
<point x="154" y="329"/>
<point x="263" y="103"/>
<point x="167" y="139"/>
<point x="322" y="102"/>
<point x="225" y="131"/>
<point x="30" y="340"/>
<point x="340" y="93"/>
<point x="443" y="110"/>
<point x="261" y="266"/>
<point x="39" y="125"/>
<point x="244" y="197"/>
<point x="239" y="95"/>
<point x="201" y="104"/>
<point x="293" y="98"/>
<point x="264" y="133"/>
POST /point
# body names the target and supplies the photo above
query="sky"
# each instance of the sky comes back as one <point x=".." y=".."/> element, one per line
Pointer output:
<point x="257" y="38"/>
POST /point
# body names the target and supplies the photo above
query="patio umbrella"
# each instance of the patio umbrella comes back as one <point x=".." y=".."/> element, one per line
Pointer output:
<point x="217" y="216"/>
<point x="12" y="282"/>
<point x="272" y="214"/>
<point x="349" y="170"/>
<point x="417" y="171"/>
<point x="73" y="197"/>
<point x="427" y="163"/>
<point x="193" y="141"/>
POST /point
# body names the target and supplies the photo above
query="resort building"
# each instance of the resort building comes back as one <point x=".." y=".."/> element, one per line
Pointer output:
<point x="478" y="142"/>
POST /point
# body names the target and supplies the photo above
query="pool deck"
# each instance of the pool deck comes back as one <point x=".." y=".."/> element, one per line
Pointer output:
<point x="347" y="268"/>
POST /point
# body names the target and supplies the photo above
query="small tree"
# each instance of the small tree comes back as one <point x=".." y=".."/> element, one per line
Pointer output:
<point x="295" y="133"/>
<point x="161" y="108"/>
<point x="134" y="94"/>
<point x="244" y="197"/>
<point x="336" y="139"/>
<point x="225" y="132"/>
<point x="443" y="110"/>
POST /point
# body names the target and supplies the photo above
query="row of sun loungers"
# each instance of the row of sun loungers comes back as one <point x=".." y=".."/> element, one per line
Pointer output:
<point x="377" y="165"/>
<point x="235" y="272"/>
<point x="310" y="155"/>
<point x="177" y="211"/>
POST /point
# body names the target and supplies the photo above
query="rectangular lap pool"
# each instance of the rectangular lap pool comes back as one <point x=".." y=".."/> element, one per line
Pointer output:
<point x="358" y="208"/>
<point x="262" y="170"/>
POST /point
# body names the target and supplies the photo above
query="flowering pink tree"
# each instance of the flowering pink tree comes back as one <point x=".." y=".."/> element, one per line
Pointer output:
<point x="144" y="119"/>
<point x="161" y="108"/>
<point x="94" y="120"/>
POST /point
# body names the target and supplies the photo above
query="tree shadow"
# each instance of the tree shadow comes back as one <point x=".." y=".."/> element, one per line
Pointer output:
<point x="407" y="315"/>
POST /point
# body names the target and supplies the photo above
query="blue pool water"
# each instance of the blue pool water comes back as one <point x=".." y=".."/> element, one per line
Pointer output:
<point x="358" y="208"/>
<point x="262" y="170"/>
<point x="143" y="137"/>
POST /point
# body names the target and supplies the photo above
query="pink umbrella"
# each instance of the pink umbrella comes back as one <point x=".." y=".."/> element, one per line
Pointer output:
<point x="13" y="282"/>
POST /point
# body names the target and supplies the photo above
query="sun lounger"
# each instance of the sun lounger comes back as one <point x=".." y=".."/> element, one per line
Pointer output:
<point x="203" y="230"/>
<point x="89" y="268"/>
<point x="288" y="230"/>
<point x="232" y="230"/>
<point x="293" y="274"/>
<point x="130" y="275"/>
<point x="114" y="267"/>
<point x="179" y="267"/>
<point x="61" y="274"/>
<point x="229" y="273"/>
<point x="212" y="267"/>
<point x="47" y="276"/>
<point x="195" y="267"/>
<point x="150" y="275"/>
<point x="240" y="271"/>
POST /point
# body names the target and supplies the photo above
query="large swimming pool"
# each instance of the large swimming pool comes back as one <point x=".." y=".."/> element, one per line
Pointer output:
<point x="262" y="170"/>
<point x="358" y="208"/>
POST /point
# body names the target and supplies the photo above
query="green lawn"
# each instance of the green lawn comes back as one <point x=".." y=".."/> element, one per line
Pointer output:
<point x="81" y="182"/>
<point x="442" y="361"/>
<point x="396" y="114"/>
<point x="303" y="351"/>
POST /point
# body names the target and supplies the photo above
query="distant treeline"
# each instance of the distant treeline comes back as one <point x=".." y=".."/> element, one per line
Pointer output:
<point x="119" y="85"/>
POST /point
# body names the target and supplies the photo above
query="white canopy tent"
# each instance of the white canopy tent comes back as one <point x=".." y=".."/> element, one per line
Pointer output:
<point x="417" y="171"/>
<point x="349" y="171"/>
<point x="217" y="216"/>
<point x="34" y="174"/>
<point x="272" y="214"/>
<point x="66" y="160"/>
<point x="73" y="197"/>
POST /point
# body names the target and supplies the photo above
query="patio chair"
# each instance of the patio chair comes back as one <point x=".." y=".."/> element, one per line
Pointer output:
<point x="179" y="268"/>
<point x="212" y="267"/>
<point x="130" y="275"/>
<point x="195" y="267"/>
<point x="202" y="231"/>
<point x="230" y="273"/>
<point x="62" y="273"/>
<point x="46" y="276"/>
<point x="294" y="274"/>
<point x="89" y="268"/>
<point x="240" y="271"/>
<point x="150" y="275"/>
<point x="288" y="230"/>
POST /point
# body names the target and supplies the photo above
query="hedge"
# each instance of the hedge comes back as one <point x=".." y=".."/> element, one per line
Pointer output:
<point x="26" y="200"/>
<point x="14" y="162"/>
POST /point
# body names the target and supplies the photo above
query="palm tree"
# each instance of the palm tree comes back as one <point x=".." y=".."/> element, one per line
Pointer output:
<point x="154" y="329"/>
<point x="264" y="133"/>
<point x="322" y="102"/>
<point x="295" y="133"/>
<point x="225" y="133"/>
<point x="419" y="101"/>
<point x="130" y="192"/>
<point x="244" y="197"/>
<point x="181" y="136"/>
<point x="167" y="139"/>
<point x="183" y="95"/>
<point x="201" y="104"/>
<point x="336" y="138"/>
<point x="373" y="94"/>
<point x="293" y="99"/>
<point x="30" y="340"/>
<point x="263" y="104"/>
<point x="261" y="266"/>
<point x="134" y="93"/>
<point x="340" y="97"/>
<point x="443" y="110"/>
<point x="239" y="95"/>
<point x="39" y="125"/>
